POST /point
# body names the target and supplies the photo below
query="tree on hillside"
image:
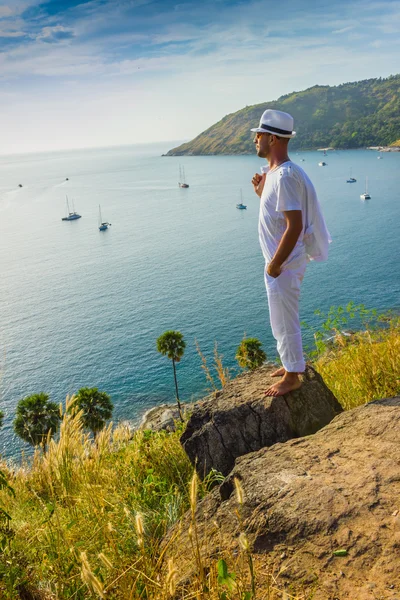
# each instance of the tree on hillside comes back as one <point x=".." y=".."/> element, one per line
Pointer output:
<point x="1" y="418"/>
<point x="172" y="345"/>
<point x="250" y="354"/>
<point x="96" y="407"/>
<point x="36" y="418"/>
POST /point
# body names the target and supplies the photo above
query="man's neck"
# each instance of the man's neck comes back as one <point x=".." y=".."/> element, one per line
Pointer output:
<point x="276" y="161"/>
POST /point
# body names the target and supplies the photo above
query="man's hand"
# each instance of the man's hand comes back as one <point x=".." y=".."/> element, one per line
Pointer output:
<point x="258" y="182"/>
<point x="274" y="270"/>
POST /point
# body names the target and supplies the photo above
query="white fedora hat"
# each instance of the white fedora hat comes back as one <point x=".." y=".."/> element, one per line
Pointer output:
<point x="276" y="122"/>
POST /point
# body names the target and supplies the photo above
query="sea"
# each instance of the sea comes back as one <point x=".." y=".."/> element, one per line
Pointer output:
<point x="80" y="307"/>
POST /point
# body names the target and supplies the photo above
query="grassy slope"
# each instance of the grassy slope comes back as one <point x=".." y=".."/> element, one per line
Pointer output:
<point x="352" y="115"/>
<point x="87" y="519"/>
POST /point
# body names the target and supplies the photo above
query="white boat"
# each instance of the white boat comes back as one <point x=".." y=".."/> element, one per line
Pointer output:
<point x="322" y="164"/>
<point x="240" y="205"/>
<point x="182" y="181"/>
<point x="379" y="156"/>
<point x="365" y="195"/>
<point x="72" y="215"/>
<point x="103" y="225"/>
<point x="351" y="179"/>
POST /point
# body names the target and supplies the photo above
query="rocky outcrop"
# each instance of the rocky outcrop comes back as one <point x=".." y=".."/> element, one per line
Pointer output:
<point x="163" y="417"/>
<point x="241" y="419"/>
<point x="321" y="511"/>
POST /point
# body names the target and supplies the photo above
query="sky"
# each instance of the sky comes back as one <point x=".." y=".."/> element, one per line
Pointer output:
<point x="76" y="74"/>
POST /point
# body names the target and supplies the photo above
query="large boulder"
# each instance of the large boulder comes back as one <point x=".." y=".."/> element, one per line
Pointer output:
<point x="321" y="512"/>
<point x="241" y="419"/>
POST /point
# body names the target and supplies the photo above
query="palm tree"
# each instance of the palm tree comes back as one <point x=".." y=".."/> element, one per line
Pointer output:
<point x="249" y="354"/>
<point x="96" y="408"/>
<point x="172" y="345"/>
<point x="36" y="418"/>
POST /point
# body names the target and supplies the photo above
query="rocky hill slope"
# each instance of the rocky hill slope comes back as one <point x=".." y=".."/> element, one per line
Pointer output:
<point x="320" y="513"/>
<point x="351" y="115"/>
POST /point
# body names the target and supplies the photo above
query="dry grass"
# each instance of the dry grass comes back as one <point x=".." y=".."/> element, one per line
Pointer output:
<point x="88" y="517"/>
<point x="364" y="367"/>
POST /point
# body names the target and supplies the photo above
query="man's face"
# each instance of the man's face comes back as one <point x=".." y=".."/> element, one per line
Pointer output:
<point x="262" y="142"/>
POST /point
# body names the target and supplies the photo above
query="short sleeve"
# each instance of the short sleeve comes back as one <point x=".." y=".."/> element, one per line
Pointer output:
<point x="288" y="192"/>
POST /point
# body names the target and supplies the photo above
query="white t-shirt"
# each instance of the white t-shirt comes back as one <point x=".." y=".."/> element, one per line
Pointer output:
<point x="287" y="187"/>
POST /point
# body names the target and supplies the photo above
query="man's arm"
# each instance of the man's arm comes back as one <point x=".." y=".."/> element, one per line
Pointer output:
<point x="294" y="227"/>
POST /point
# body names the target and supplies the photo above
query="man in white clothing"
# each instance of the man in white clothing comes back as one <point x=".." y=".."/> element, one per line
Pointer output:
<point x="286" y="195"/>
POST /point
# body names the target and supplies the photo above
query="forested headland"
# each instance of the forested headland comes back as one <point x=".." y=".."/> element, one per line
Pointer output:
<point x="350" y="115"/>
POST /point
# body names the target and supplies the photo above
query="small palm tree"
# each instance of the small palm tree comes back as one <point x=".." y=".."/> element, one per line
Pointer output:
<point x="36" y="418"/>
<point x="172" y="345"/>
<point x="96" y="407"/>
<point x="249" y="354"/>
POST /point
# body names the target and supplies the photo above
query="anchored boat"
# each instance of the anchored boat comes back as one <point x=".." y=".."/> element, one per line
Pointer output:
<point x="71" y="215"/>
<point x="240" y="205"/>
<point x="103" y="225"/>
<point x="365" y="195"/>
<point x="182" y="181"/>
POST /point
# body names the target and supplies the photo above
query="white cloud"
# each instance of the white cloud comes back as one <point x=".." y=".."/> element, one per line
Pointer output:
<point x="5" y="11"/>
<point x="344" y="29"/>
<point x="55" y="34"/>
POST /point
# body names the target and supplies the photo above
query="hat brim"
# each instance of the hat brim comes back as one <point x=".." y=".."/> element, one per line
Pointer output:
<point x="286" y="135"/>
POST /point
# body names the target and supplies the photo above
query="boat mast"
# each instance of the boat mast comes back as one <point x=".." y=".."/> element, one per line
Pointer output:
<point x="67" y="204"/>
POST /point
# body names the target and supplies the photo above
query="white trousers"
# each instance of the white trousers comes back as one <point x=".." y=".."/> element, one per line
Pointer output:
<point x="283" y="300"/>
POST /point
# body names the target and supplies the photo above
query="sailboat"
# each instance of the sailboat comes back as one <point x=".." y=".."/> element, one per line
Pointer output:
<point x="71" y="215"/>
<point x="182" y="181"/>
<point x="240" y="205"/>
<point x="351" y="179"/>
<point x="379" y="156"/>
<point x="365" y="196"/>
<point x="103" y="225"/>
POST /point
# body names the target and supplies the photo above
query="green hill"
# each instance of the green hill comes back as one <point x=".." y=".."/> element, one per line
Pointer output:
<point x="351" y="115"/>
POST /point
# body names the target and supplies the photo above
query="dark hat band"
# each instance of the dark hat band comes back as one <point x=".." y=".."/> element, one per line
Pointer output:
<point x="275" y="129"/>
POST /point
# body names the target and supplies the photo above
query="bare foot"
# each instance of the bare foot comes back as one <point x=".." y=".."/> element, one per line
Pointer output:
<point x="278" y="372"/>
<point x="284" y="386"/>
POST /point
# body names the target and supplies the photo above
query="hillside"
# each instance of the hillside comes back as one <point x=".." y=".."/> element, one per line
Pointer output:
<point x="351" y="115"/>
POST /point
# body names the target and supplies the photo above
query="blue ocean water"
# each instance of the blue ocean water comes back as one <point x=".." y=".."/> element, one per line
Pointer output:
<point x="83" y="308"/>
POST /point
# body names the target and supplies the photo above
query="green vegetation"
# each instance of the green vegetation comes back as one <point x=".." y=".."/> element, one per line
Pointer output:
<point x="37" y="419"/>
<point x="363" y="364"/>
<point x="351" y="115"/>
<point x="249" y="354"/>
<point x="172" y="345"/>
<point x="96" y="408"/>
<point x="86" y="519"/>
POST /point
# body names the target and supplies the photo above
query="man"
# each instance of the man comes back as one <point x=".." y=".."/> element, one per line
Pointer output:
<point x="289" y="209"/>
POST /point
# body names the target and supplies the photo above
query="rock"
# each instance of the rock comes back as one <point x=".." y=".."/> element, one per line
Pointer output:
<point x="242" y="419"/>
<point x="163" y="417"/>
<point x="307" y="498"/>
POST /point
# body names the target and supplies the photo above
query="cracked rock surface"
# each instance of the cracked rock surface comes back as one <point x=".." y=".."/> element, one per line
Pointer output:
<point x="321" y="512"/>
<point x="241" y="419"/>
